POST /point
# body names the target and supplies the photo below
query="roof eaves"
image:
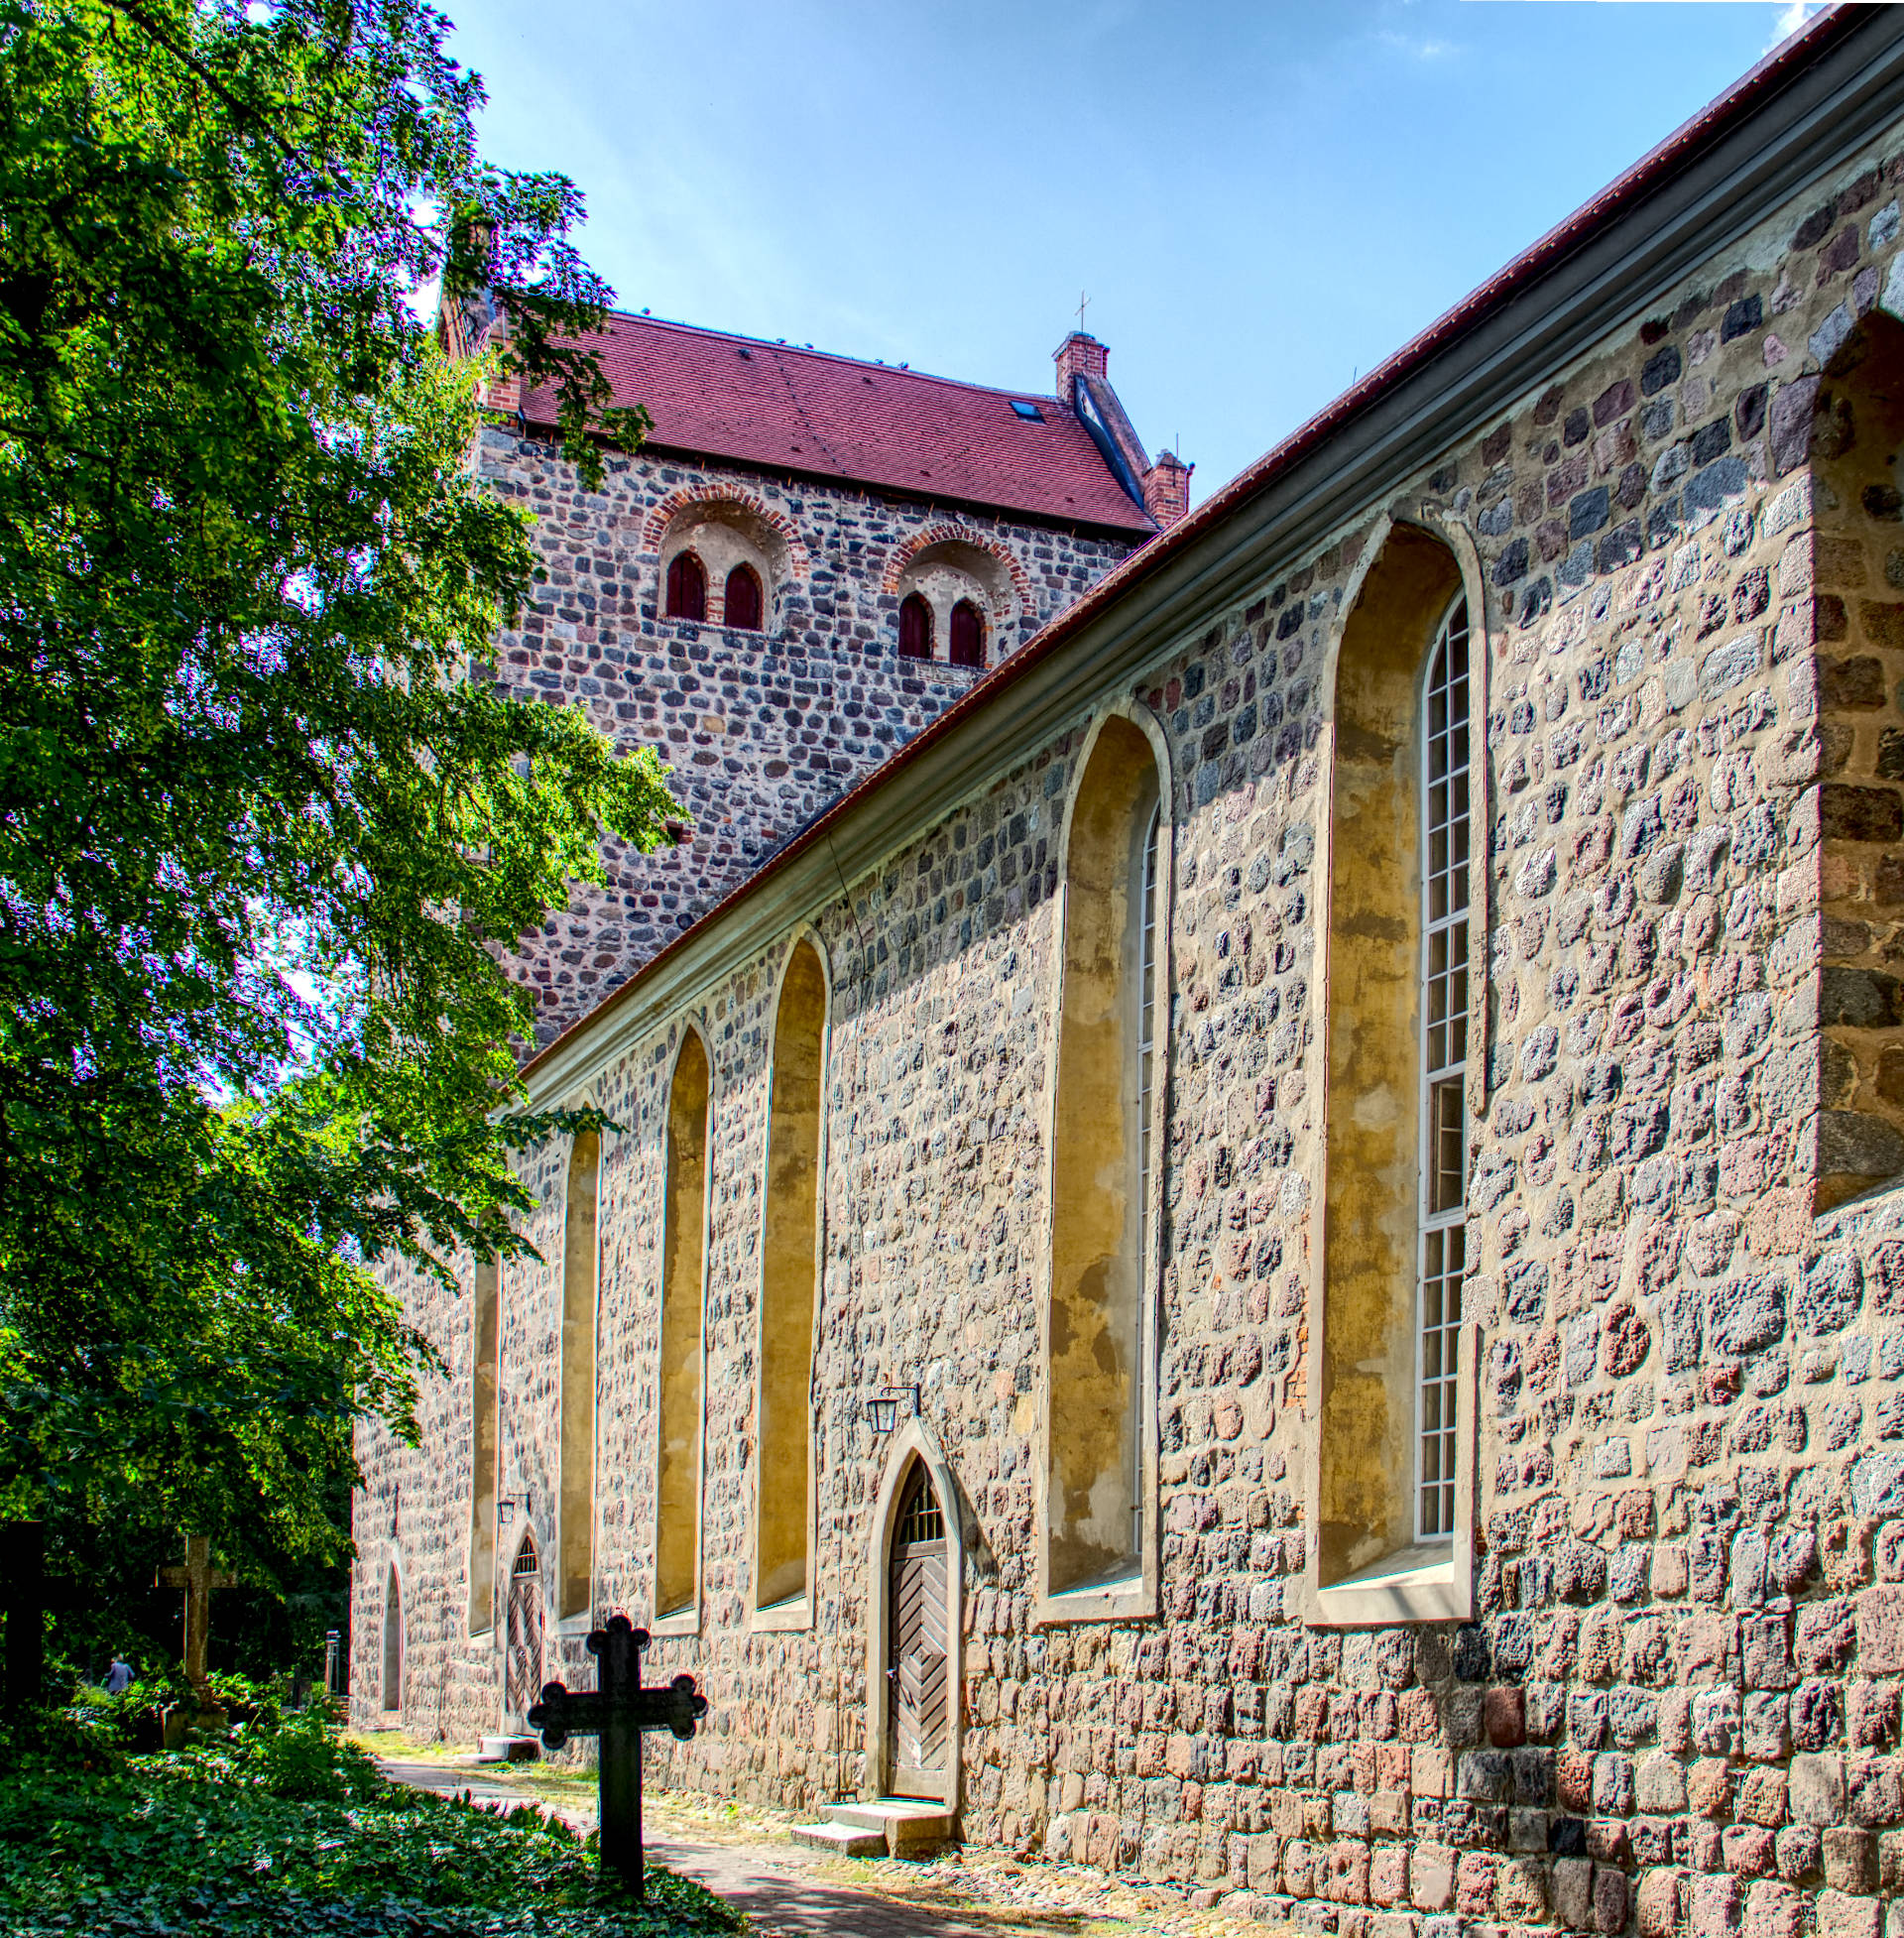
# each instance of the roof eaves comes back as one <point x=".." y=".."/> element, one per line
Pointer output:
<point x="1140" y="526"/>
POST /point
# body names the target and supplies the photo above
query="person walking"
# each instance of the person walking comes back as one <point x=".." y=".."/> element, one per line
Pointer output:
<point x="118" y="1677"/>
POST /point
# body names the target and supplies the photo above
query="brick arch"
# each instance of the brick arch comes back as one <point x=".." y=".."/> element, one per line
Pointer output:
<point x="903" y="554"/>
<point x="676" y="501"/>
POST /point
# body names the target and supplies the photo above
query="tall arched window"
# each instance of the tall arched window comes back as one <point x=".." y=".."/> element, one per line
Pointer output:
<point x="574" y="1573"/>
<point x="1101" y="1434"/>
<point x="742" y="601"/>
<point x="485" y="1341"/>
<point x="1390" y="1389"/>
<point x="687" y="587"/>
<point x="677" y="1540"/>
<point x="392" y="1690"/>
<point x="1444" y="1170"/>
<point x="968" y="634"/>
<point x="789" y="1278"/>
<point x="915" y="628"/>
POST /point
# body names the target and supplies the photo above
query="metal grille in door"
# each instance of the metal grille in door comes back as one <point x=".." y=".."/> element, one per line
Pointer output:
<point x="522" y="1679"/>
<point x="916" y="1675"/>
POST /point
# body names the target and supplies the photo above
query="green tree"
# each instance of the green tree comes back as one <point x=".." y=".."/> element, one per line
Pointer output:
<point x="264" y="823"/>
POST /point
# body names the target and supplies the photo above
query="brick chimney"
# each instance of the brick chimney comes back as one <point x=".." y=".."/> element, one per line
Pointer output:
<point x="1166" y="489"/>
<point x="469" y="328"/>
<point x="1078" y="355"/>
<point x="507" y="389"/>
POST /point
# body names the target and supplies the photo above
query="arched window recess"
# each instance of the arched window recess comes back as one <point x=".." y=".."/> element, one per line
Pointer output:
<point x="1391" y="1488"/>
<point x="1096" y="1553"/>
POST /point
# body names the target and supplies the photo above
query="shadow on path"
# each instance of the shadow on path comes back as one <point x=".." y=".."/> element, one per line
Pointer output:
<point x="776" y="1884"/>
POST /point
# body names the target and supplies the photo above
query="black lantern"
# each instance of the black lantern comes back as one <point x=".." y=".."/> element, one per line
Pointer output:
<point x="882" y="1409"/>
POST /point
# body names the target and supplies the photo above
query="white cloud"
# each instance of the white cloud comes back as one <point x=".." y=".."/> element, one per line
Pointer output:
<point x="1791" y="18"/>
<point x="1415" y="45"/>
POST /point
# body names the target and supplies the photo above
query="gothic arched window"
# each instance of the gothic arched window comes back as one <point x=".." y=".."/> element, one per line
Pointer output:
<point x="789" y="1278"/>
<point x="968" y="634"/>
<point x="1101" y="1432"/>
<point x="742" y="603"/>
<point x="1394" y="1506"/>
<point x="392" y="1690"/>
<point x="677" y="1536"/>
<point x="1444" y="1058"/>
<point x="687" y="587"/>
<point x="485" y="1353"/>
<point x="915" y="628"/>
<point x="575" y="1550"/>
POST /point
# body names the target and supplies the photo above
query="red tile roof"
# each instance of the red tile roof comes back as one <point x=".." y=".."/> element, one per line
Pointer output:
<point x="792" y="409"/>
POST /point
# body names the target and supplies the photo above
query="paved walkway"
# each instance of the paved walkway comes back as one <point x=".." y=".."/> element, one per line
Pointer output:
<point x="776" y="1885"/>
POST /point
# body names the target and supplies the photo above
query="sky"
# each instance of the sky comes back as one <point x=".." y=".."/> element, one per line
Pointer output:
<point x="1260" y="201"/>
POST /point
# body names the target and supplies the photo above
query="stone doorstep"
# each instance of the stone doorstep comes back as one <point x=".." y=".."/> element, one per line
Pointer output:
<point x="508" y="1750"/>
<point x="841" y="1840"/>
<point x="899" y="1827"/>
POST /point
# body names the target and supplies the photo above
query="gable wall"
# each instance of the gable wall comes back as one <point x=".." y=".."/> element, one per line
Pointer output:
<point x="1678" y="1700"/>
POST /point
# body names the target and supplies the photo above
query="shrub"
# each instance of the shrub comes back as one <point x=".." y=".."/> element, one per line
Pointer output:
<point x="282" y="1830"/>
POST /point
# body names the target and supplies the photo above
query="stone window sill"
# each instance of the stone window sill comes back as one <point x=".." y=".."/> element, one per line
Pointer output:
<point x="796" y="1612"/>
<point x="1130" y="1598"/>
<point x="683" y="1622"/>
<point x="1432" y="1581"/>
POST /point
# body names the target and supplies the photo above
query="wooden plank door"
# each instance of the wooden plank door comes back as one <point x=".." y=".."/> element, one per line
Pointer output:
<point x="918" y="1687"/>
<point x="523" y="1661"/>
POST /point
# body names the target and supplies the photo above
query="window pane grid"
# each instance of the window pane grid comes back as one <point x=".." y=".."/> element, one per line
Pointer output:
<point x="1444" y="1049"/>
<point x="1146" y="1064"/>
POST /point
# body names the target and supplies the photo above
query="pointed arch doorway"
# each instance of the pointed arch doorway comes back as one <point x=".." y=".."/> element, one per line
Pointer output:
<point x="916" y="1583"/>
<point x="522" y="1658"/>
<point x="917" y="1670"/>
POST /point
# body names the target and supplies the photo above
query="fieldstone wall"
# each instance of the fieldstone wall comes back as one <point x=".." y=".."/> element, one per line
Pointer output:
<point x="1677" y="1708"/>
<point x="761" y="729"/>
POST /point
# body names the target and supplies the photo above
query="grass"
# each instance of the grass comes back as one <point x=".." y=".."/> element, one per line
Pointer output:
<point x="282" y="1830"/>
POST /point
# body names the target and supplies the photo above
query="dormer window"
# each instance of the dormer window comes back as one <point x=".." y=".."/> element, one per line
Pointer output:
<point x="686" y="588"/>
<point x="968" y="634"/>
<point x="743" y="599"/>
<point x="916" y="629"/>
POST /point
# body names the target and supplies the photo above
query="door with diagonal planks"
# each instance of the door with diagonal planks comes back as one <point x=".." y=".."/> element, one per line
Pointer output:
<point x="523" y="1659"/>
<point x="917" y="1679"/>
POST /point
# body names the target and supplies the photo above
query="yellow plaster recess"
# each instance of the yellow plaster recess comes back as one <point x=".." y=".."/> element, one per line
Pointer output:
<point x="789" y="1277"/>
<point x="575" y="1567"/>
<point x="677" y="1539"/>
<point x="1097" y="1191"/>
<point x="1374" y="988"/>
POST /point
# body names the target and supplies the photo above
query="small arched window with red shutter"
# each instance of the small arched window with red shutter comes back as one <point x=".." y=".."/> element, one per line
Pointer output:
<point x="916" y="629"/>
<point x="744" y="599"/>
<point x="968" y="634"/>
<point x="687" y="587"/>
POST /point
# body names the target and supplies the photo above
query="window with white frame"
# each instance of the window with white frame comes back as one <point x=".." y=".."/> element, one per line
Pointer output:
<point x="1443" y="1051"/>
<point x="1146" y="1067"/>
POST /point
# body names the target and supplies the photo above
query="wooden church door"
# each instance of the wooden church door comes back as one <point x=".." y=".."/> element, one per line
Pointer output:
<point x="917" y="1685"/>
<point x="522" y="1663"/>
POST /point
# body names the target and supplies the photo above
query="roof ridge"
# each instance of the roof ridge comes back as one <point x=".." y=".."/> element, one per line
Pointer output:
<point x="835" y="356"/>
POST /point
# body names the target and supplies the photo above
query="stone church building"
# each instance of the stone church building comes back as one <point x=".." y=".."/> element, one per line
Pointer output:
<point x="1269" y="1252"/>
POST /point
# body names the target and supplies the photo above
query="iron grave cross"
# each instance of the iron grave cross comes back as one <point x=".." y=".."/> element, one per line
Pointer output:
<point x="617" y="1712"/>
<point x="197" y="1578"/>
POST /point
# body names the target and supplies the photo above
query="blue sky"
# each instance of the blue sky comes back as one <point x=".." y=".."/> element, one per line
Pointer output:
<point x="1259" y="200"/>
